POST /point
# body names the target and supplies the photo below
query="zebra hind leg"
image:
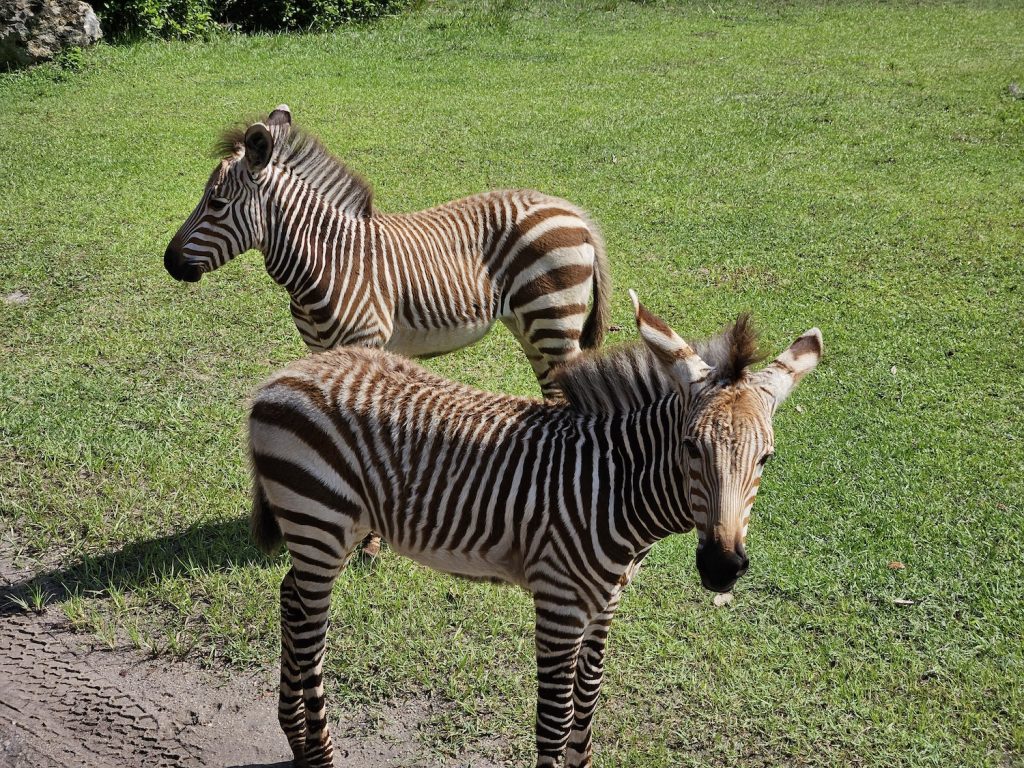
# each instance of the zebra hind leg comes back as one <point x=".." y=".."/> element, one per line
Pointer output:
<point x="291" y="711"/>
<point x="556" y="350"/>
<point x="305" y="608"/>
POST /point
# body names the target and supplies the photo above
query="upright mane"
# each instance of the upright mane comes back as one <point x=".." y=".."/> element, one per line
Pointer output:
<point x="732" y="350"/>
<point x="303" y="154"/>
<point x="629" y="377"/>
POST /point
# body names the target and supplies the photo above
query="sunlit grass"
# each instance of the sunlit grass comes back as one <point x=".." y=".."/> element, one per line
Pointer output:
<point x="856" y="167"/>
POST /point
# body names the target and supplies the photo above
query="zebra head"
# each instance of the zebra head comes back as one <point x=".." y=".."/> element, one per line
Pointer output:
<point x="231" y="215"/>
<point x="728" y="435"/>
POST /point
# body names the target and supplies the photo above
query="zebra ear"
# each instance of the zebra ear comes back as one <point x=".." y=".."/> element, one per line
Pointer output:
<point x="280" y="123"/>
<point x="785" y="371"/>
<point x="666" y="345"/>
<point x="280" y="116"/>
<point x="259" y="146"/>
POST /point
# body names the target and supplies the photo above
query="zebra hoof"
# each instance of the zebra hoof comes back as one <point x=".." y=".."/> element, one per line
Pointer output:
<point x="370" y="547"/>
<point x="319" y="756"/>
<point x="299" y="756"/>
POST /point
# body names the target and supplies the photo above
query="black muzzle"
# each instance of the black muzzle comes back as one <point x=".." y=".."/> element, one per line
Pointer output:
<point x="179" y="267"/>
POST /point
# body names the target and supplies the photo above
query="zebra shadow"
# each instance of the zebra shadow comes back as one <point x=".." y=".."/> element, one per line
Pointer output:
<point x="208" y="546"/>
<point x="218" y="545"/>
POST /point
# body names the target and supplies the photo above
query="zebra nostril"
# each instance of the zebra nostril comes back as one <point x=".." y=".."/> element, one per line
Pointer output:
<point x="732" y="563"/>
<point x="178" y="267"/>
<point x="742" y="561"/>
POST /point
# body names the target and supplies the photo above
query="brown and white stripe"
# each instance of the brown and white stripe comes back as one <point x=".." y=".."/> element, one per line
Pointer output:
<point x="419" y="284"/>
<point x="563" y="499"/>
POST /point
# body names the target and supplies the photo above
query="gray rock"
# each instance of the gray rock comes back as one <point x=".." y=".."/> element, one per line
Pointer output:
<point x="32" y="31"/>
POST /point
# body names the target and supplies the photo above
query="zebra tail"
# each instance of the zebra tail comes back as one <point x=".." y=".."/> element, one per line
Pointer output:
<point x="597" y="321"/>
<point x="265" y="530"/>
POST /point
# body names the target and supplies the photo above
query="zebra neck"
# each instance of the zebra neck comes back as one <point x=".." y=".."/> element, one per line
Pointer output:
<point x="646" y="453"/>
<point x="306" y="236"/>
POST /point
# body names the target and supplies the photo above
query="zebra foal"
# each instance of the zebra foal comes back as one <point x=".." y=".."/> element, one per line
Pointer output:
<point x="563" y="499"/>
<point x="419" y="284"/>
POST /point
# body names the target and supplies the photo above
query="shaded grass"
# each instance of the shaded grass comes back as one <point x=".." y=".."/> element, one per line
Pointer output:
<point x="856" y="167"/>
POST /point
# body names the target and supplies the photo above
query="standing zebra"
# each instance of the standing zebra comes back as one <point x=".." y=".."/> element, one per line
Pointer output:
<point x="419" y="284"/>
<point x="562" y="499"/>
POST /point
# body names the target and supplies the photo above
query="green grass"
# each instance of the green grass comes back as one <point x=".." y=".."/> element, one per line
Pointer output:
<point x="857" y="167"/>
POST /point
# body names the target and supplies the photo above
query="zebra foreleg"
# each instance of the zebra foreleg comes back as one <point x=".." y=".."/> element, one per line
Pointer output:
<point x="587" y="685"/>
<point x="590" y="674"/>
<point x="558" y="640"/>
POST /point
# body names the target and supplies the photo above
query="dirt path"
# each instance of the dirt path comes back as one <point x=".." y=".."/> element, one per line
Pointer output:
<point x="64" y="702"/>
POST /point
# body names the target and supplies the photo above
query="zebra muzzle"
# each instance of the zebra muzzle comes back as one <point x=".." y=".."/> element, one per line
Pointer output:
<point x="179" y="267"/>
<point x="719" y="569"/>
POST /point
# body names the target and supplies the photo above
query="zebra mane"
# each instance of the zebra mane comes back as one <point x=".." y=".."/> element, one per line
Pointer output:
<point x="304" y="155"/>
<point x="628" y="377"/>
<point x="230" y="142"/>
<point x="617" y="380"/>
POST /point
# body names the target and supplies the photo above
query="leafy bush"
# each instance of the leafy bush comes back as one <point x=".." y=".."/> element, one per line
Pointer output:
<point x="155" y="18"/>
<point x="196" y="18"/>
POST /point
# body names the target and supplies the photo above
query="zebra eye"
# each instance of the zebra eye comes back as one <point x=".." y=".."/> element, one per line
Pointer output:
<point x="765" y="459"/>
<point x="691" y="448"/>
<point x="218" y="203"/>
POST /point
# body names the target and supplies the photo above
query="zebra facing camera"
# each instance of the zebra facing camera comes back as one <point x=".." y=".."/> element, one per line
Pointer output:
<point x="720" y="570"/>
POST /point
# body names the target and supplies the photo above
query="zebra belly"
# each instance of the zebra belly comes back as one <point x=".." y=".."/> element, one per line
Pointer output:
<point x="418" y="342"/>
<point x="493" y="567"/>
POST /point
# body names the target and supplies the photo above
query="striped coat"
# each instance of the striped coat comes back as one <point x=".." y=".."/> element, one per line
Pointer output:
<point x="419" y="284"/>
<point x="564" y="500"/>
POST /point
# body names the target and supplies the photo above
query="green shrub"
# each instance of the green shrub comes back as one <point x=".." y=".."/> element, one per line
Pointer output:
<point x="272" y="15"/>
<point x="155" y="18"/>
<point x="194" y="18"/>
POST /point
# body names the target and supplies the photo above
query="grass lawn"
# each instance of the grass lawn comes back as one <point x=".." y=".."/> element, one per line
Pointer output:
<point x="859" y="167"/>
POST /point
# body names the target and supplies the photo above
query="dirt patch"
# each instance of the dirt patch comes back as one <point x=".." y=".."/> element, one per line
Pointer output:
<point x="66" y="702"/>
